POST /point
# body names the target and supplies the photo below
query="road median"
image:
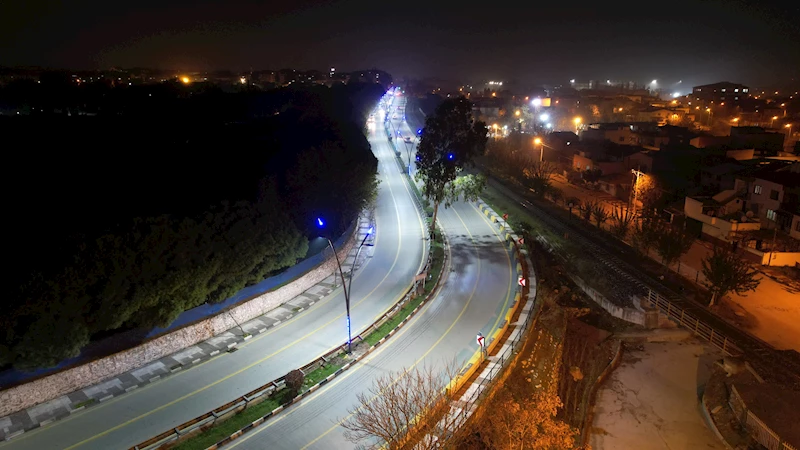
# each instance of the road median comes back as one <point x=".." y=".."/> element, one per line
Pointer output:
<point x="230" y="421"/>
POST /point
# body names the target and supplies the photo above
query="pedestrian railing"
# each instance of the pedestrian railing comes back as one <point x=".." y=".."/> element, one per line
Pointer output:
<point x="694" y="324"/>
<point x="755" y="426"/>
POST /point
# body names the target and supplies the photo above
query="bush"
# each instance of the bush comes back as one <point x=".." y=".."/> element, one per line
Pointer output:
<point x="131" y="246"/>
<point x="294" y="381"/>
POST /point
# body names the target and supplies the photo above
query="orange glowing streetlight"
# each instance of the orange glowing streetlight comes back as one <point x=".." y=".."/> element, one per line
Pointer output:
<point x="577" y="121"/>
<point x="517" y="113"/>
<point x="538" y="141"/>
<point x="185" y="80"/>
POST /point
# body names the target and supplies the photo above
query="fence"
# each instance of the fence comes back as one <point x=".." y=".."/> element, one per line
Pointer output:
<point x="691" y="322"/>
<point x="757" y="428"/>
<point x="477" y="389"/>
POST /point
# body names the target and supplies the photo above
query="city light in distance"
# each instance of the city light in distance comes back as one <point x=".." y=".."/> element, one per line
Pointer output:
<point x="544" y="117"/>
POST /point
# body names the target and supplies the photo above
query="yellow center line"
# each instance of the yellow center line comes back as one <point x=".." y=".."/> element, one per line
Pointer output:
<point x="135" y="419"/>
<point x="402" y="331"/>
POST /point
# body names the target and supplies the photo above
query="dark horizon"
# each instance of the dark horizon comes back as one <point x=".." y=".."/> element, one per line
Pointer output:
<point x="756" y="43"/>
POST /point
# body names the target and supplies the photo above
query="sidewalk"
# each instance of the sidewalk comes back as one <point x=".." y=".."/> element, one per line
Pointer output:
<point x="650" y="400"/>
<point x="43" y="414"/>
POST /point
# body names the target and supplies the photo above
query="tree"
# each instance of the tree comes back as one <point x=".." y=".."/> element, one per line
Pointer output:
<point x="450" y="141"/>
<point x="403" y="405"/>
<point x="621" y="221"/>
<point x="599" y="214"/>
<point x="644" y="235"/>
<point x="587" y="208"/>
<point x="524" y="414"/>
<point x="294" y="381"/>
<point x="556" y="195"/>
<point x="726" y="272"/>
<point x="672" y="243"/>
<point x="538" y="176"/>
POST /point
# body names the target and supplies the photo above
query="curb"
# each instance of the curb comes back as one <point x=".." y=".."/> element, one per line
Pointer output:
<point x="710" y="422"/>
<point x="168" y="370"/>
<point x="586" y="432"/>
<point x="170" y="437"/>
<point x="474" y="363"/>
<point x="434" y="292"/>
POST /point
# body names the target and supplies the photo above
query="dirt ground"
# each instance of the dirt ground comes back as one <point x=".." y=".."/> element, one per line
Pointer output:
<point x="651" y="401"/>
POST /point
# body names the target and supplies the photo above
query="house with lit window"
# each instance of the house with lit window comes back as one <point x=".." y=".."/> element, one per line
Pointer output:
<point x="760" y="214"/>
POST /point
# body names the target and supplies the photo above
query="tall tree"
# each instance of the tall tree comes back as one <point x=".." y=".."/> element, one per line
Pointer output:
<point x="538" y="176"/>
<point x="726" y="272"/>
<point x="644" y="235"/>
<point x="450" y="141"/>
<point x="599" y="214"/>
<point x="673" y="242"/>
<point x="621" y="221"/>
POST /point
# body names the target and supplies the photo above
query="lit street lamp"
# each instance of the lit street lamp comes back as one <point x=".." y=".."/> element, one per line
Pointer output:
<point x="538" y="141"/>
<point x="345" y="286"/>
<point x="577" y="122"/>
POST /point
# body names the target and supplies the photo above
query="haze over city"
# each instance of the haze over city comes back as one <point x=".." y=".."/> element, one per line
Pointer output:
<point x="695" y="42"/>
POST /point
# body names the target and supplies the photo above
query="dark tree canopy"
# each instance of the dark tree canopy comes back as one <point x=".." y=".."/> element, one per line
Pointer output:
<point x="450" y="141"/>
<point x="166" y="199"/>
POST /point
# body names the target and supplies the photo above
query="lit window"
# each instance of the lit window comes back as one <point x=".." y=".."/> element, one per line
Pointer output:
<point x="757" y="189"/>
<point x="745" y="90"/>
<point x="736" y="90"/>
<point x="723" y="90"/>
<point x="771" y="214"/>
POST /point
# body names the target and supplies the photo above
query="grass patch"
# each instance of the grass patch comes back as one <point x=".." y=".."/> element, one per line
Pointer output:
<point x="437" y="262"/>
<point x="238" y="421"/>
<point x="317" y="375"/>
<point x="89" y="402"/>
<point x="219" y="432"/>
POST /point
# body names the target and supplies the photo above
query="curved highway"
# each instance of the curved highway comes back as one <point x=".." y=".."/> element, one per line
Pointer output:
<point x="132" y="418"/>
<point x="479" y="290"/>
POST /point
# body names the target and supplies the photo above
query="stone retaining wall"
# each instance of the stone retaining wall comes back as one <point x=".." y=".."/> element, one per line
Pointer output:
<point x="69" y="380"/>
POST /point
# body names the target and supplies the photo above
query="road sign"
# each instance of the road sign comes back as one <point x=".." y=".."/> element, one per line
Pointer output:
<point x="505" y="216"/>
<point x="521" y="241"/>
<point x="522" y="281"/>
<point x="481" y="341"/>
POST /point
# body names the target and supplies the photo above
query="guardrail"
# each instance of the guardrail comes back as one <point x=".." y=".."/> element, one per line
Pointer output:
<point x="201" y="423"/>
<point x="468" y="401"/>
<point x="691" y="322"/>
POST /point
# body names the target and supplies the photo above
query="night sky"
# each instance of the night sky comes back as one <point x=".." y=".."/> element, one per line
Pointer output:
<point x="697" y="41"/>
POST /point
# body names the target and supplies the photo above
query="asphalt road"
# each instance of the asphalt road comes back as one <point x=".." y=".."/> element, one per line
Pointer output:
<point x="474" y="298"/>
<point x="479" y="290"/>
<point x="396" y="257"/>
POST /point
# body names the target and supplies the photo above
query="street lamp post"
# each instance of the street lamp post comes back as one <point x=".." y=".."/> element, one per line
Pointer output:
<point x="638" y="174"/>
<point x="538" y="141"/>
<point x="345" y="286"/>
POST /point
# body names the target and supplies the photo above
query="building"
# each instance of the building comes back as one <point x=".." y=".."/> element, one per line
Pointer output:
<point x="724" y="91"/>
<point x="770" y="142"/>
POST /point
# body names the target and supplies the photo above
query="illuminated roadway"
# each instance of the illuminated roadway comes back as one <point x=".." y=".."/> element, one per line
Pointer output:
<point x="474" y="298"/>
<point x="134" y="417"/>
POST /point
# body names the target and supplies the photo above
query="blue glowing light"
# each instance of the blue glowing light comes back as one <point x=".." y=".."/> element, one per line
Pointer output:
<point x="320" y="222"/>
<point x="450" y="156"/>
<point x="371" y="229"/>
